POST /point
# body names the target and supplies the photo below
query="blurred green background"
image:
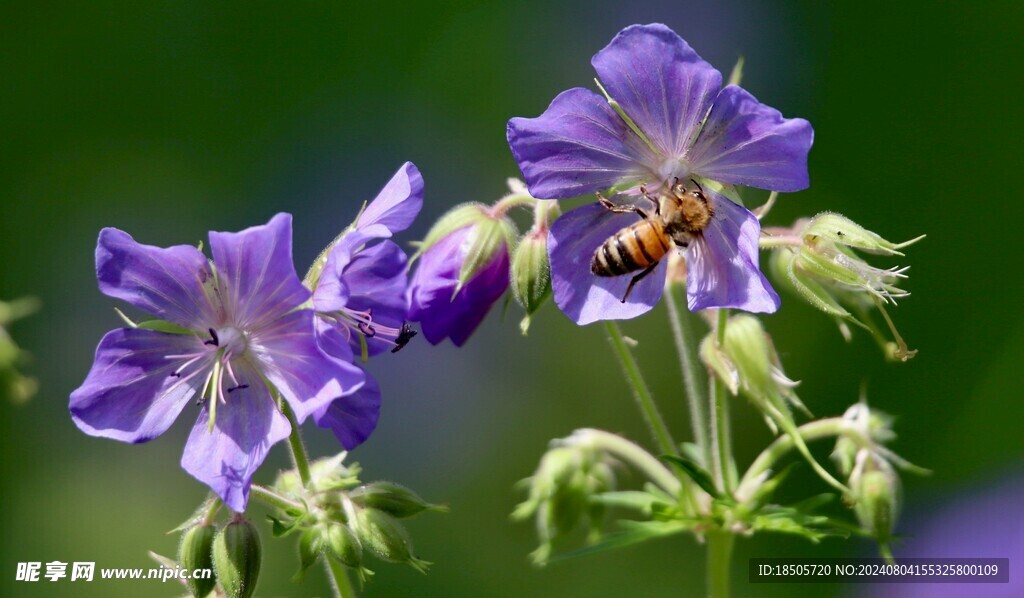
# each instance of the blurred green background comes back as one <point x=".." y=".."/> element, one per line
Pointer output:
<point x="169" y="119"/>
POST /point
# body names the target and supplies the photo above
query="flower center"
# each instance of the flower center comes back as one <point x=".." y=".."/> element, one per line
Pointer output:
<point x="673" y="168"/>
<point x="232" y="342"/>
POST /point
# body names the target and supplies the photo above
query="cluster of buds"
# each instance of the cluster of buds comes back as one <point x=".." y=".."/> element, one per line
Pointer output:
<point x="560" y="492"/>
<point x="869" y="469"/>
<point x="471" y="256"/>
<point x="13" y="384"/>
<point x="817" y="258"/>
<point x="343" y="518"/>
<point x="233" y="552"/>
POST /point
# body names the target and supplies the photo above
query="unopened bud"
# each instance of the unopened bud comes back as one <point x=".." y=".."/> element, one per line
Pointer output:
<point x="531" y="274"/>
<point x="195" y="552"/>
<point x="343" y="546"/>
<point x="385" y="537"/>
<point x="236" y="557"/>
<point x="877" y="492"/>
<point x="394" y="499"/>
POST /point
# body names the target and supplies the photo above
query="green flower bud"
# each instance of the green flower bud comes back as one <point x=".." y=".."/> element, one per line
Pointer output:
<point x="344" y="546"/>
<point x="877" y="495"/>
<point x="195" y="552"/>
<point x="531" y="274"/>
<point x="326" y="474"/>
<point x="385" y="537"/>
<point x="236" y="557"/>
<point x="394" y="499"/>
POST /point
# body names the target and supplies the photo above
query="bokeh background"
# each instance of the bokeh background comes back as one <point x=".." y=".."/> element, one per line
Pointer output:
<point x="168" y="119"/>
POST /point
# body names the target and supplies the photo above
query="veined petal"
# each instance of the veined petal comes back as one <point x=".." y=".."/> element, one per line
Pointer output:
<point x="334" y="338"/>
<point x="396" y="206"/>
<point x="248" y="423"/>
<point x="287" y="354"/>
<point x="130" y="393"/>
<point x="255" y="272"/>
<point x="582" y="295"/>
<point x="722" y="262"/>
<point x="166" y="282"/>
<point x="579" y="145"/>
<point x="430" y="293"/>
<point x="352" y="418"/>
<point x="747" y="143"/>
<point x="377" y="281"/>
<point x="660" y="82"/>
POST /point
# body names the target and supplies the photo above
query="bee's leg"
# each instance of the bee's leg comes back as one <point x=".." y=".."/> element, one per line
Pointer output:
<point x="652" y="198"/>
<point x="619" y="209"/>
<point x="636" y="279"/>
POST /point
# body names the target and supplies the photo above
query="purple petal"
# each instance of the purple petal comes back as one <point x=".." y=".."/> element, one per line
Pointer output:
<point x="431" y="303"/>
<point x="255" y="272"/>
<point x="396" y="206"/>
<point x="745" y="142"/>
<point x="130" y="393"/>
<point x="288" y="355"/>
<point x="722" y="263"/>
<point x="579" y="145"/>
<point x="167" y="283"/>
<point x="660" y="82"/>
<point x="582" y="295"/>
<point x="352" y="418"/>
<point x="334" y="339"/>
<point x="366" y="279"/>
<point x="247" y="425"/>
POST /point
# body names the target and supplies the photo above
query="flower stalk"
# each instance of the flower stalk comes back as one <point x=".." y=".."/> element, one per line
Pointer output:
<point x="687" y="350"/>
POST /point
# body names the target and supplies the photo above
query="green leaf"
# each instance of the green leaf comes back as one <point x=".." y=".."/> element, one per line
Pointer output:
<point x="281" y="528"/>
<point x="695" y="472"/>
<point x="163" y="326"/>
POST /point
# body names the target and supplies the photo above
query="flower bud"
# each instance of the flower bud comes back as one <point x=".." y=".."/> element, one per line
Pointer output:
<point x="236" y="557"/>
<point x="876" y="491"/>
<point x="385" y="537"/>
<point x="195" y="552"/>
<point x="394" y="499"/>
<point x="531" y="274"/>
<point x="463" y="269"/>
<point x="344" y="546"/>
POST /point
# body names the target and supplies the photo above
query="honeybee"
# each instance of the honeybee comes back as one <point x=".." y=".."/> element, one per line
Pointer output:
<point x="678" y="216"/>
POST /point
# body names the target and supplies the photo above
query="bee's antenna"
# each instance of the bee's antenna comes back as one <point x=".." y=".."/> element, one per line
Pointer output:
<point x="694" y="181"/>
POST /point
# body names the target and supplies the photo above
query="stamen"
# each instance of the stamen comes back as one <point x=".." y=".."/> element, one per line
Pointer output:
<point x="367" y="329"/>
<point x="215" y="341"/>
<point x="239" y="387"/>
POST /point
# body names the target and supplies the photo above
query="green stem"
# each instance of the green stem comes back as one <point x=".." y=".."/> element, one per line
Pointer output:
<point x="298" y="449"/>
<point x="640" y="391"/>
<point x="513" y="200"/>
<point x="723" y="465"/>
<point x="686" y="348"/>
<point x="268" y="496"/>
<point x="339" y="576"/>
<point x="631" y="453"/>
<point x="719" y="554"/>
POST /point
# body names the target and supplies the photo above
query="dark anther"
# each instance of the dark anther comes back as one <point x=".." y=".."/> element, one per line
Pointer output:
<point x="214" y="340"/>
<point x="404" y="336"/>
<point x="200" y="401"/>
<point x="367" y="329"/>
<point x="175" y="374"/>
<point x="239" y="387"/>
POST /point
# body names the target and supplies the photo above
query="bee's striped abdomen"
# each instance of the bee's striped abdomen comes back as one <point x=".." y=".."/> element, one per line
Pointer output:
<point x="632" y="248"/>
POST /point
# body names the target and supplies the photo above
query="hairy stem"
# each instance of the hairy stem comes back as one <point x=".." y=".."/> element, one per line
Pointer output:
<point x="723" y="466"/>
<point x="631" y="453"/>
<point x="719" y="554"/>
<point x="640" y="391"/>
<point x="686" y="348"/>
<point x="295" y="443"/>
<point x="340" y="580"/>
<point x="269" y="497"/>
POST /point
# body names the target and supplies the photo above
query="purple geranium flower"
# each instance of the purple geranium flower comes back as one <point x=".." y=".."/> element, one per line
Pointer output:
<point x="676" y="122"/>
<point x="238" y="338"/>
<point x="360" y="299"/>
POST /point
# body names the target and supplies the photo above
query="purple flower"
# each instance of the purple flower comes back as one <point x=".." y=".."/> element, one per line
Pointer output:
<point x="463" y="270"/>
<point x="671" y="119"/>
<point x="233" y="335"/>
<point x="360" y="299"/>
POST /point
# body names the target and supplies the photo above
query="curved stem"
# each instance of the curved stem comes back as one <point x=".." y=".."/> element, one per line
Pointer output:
<point x="513" y="200"/>
<point x="339" y="576"/>
<point x="295" y="443"/>
<point x="823" y="428"/>
<point x="268" y="496"/>
<point x="640" y="391"/>
<point x="686" y="347"/>
<point x="719" y="554"/>
<point x="631" y="453"/>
